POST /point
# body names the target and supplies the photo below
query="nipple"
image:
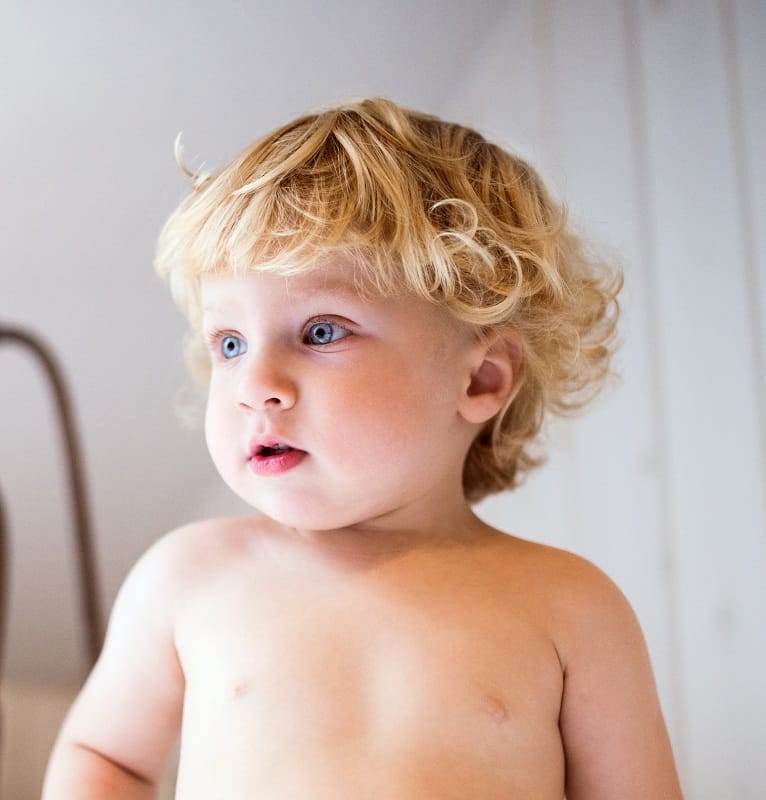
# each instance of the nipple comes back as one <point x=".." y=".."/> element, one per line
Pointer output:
<point x="495" y="709"/>
<point x="240" y="689"/>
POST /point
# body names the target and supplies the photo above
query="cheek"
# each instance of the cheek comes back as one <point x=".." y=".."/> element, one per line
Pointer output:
<point x="215" y="426"/>
<point x="389" y="404"/>
<point x="382" y="392"/>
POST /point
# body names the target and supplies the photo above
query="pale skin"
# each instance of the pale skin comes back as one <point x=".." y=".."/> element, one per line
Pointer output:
<point x="366" y="635"/>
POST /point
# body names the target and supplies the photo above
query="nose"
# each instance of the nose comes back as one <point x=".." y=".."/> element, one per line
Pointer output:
<point x="265" y="383"/>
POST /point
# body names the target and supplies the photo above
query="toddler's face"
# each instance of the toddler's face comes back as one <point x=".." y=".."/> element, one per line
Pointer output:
<point x="327" y="410"/>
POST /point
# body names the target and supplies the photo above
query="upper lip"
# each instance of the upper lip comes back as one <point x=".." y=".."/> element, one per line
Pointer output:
<point x="272" y="440"/>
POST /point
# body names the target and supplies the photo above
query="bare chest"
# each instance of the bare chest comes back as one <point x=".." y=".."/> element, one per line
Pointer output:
<point x="404" y="692"/>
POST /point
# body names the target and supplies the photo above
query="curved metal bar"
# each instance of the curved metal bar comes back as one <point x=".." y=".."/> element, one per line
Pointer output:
<point x="82" y="528"/>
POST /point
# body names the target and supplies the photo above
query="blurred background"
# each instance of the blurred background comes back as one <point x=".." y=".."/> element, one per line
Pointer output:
<point x="647" y="116"/>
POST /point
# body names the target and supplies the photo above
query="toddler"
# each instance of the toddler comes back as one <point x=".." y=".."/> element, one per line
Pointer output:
<point x="384" y="307"/>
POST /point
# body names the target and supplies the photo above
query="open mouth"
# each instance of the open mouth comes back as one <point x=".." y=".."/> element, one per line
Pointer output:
<point x="275" y="450"/>
<point x="275" y="458"/>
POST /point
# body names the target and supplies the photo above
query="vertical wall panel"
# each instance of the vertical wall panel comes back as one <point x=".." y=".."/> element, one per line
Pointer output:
<point x="506" y="94"/>
<point x="543" y="88"/>
<point x="702" y="304"/>
<point x="616" y="449"/>
<point x="630" y="113"/>
<point x="564" y="105"/>
<point x="743" y="30"/>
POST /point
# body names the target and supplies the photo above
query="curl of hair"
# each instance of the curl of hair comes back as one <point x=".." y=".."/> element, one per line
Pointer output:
<point x="424" y="206"/>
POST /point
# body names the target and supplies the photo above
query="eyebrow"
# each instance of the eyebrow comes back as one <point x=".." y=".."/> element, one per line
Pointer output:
<point x="319" y="289"/>
<point x="213" y="307"/>
<point x="318" y="286"/>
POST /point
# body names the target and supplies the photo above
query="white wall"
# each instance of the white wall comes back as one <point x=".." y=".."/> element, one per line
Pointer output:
<point x="647" y="116"/>
<point x="652" y="117"/>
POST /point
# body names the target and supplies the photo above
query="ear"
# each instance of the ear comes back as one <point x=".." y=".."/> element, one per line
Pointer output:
<point x="491" y="379"/>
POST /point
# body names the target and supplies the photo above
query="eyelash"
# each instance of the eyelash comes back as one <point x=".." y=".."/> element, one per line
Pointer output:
<point x="328" y="322"/>
<point x="214" y="339"/>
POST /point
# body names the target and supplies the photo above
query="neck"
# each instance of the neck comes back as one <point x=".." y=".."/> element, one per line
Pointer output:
<point x="374" y="542"/>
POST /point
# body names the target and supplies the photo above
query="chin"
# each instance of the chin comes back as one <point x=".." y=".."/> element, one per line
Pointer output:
<point x="310" y="508"/>
<point x="302" y="513"/>
<point x="312" y="517"/>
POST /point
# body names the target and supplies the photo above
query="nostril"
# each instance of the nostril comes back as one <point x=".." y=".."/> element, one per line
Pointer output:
<point x="270" y="402"/>
<point x="264" y="387"/>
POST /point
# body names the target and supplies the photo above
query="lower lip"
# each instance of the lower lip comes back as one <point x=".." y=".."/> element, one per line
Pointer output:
<point x="276" y="464"/>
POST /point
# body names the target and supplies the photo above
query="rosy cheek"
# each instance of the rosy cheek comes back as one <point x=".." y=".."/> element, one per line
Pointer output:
<point x="215" y="425"/>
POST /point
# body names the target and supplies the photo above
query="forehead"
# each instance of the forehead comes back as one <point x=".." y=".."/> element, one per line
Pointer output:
<point x="336" y="278"/>
<point x="333" y="286"/>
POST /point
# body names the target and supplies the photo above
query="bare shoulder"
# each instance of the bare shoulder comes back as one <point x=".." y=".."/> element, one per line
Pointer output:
<point x="584" y="604"/>
<point x="168" y="572"/>
<point x="188" y="555"/>
<point x="131" y="705"/>
<point x="208" y="535"/>
<point x="612" y="727"/>
<point x="567" y="586"/>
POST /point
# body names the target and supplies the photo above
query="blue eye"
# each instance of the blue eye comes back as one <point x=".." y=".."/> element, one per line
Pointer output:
<point x="325" y="333"/>
<point x="232" y="346"/>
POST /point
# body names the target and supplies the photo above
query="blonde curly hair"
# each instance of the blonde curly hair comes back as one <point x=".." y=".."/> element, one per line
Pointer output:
<point x="421" y="205"/>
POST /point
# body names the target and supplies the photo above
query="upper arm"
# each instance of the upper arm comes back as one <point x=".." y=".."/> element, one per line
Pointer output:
<point x="130" y="707"/>
<point x="614" y="734"/>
